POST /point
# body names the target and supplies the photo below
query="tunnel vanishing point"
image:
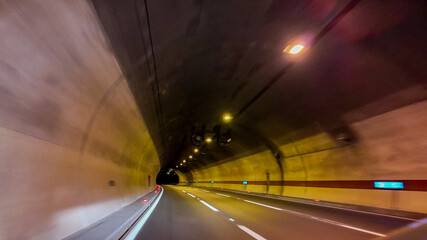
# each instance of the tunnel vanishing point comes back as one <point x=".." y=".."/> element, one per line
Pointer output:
<point x="315" y="100"/>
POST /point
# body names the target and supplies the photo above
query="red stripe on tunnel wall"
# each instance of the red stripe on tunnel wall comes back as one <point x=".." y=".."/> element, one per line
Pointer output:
<point x="409" y="185"/>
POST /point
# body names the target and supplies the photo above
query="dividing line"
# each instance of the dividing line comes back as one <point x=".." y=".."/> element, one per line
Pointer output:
<point x="263" y="205"/>
<point x="247" y="230"/>
<point x="135" y="230"/>
<point x="205" y="190"/>
<point x="191" y="195"/>
<point x="327" y="206"/>
<point x="362" y="230"/>
<point x="320" y="219"/>
<point x="223" y="195"/>
<point x="209" y="206"/>
<point x="252" y="233"/>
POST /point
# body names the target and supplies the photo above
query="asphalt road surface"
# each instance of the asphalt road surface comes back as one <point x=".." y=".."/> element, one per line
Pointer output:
<point x="196" y="213"/>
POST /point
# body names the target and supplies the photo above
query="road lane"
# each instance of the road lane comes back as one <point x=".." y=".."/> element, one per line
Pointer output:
<point x="364" y="220"/>
<point x="195" y="213"/>
<point x="181" y="216"/>
<point x="273" y="223"/>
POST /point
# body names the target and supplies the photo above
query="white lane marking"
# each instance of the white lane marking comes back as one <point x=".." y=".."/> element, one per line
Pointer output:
<point x="191" y="195"/>
<point x="252" y="233"/>
<point x="137" y="228"/>
<point x="325" y="206"/>
<point x="321" y="219"/>
<point x="362" y="230"/>
<point x="264" y="205"/>
<point x="223" y="195"/>
<point x="327" y="220"/>
<point x="205" y="190"/>
<point x="209" y="206"/>
<point x="231" y="219"/>
<point x="183" y="191"/>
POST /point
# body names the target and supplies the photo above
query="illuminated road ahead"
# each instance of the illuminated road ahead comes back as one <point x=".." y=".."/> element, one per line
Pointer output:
<point x="193" y="213"/>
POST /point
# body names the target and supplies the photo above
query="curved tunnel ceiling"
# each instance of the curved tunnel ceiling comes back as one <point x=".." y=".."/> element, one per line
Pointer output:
<point x="187" y="65"/>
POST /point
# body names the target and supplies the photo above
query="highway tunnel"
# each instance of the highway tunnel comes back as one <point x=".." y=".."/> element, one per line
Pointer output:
<point x="281" y="115"/>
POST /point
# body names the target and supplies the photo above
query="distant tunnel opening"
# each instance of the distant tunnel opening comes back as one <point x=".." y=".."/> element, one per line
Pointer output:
<point x="167" y="177"/>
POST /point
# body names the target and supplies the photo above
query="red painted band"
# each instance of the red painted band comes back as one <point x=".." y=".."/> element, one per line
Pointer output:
<point x="409" y="185"/>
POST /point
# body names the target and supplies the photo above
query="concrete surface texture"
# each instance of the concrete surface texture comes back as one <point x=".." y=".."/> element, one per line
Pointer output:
<point x="73" y="145"/>
<point x="390" y="146"/>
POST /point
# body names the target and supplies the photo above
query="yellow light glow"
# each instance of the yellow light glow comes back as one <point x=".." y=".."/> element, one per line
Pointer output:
<point x="208" y="139"/>
<point x="196" y="150"/>
<point x="190" y="157"/>
<point x="180" y="164"/>
<point x="227" y="117"/>
<point x="176" y="166"/>
<point x="183" y="161"/>
<point x="295" y="49"/>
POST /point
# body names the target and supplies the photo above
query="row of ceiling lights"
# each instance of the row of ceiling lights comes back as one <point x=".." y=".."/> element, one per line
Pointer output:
<point x="290" y="49"/>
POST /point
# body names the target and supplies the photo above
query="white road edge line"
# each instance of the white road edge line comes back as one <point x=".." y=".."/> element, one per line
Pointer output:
<point x="362" y="230"/>
<point x="209" y="206"/>
<point x="306" y="215"/>
<point x="252" y="233"/>
<point x="321" y="219"/>
<point x="223" y="195"/>
<point x="326" y="206"/>
<point x="137" y="228"/>
<point x="191" y="195"/>
<point x="263" y="205"/>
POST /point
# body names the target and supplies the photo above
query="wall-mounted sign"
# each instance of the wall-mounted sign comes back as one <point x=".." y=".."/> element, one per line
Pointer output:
<point x="389" y="185"/>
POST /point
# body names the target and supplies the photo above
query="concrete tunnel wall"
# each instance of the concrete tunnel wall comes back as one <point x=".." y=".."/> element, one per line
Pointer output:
<point x="391" y="146"/>
<point x="73" y="146"/>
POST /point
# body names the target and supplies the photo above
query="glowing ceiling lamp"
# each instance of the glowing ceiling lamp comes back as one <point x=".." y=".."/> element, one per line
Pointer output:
<point x="227" y="117"/>
<point x="295" y="49"/>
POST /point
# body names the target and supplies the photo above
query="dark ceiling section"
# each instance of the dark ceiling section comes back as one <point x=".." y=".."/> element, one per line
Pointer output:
<point x="212" y="57"/>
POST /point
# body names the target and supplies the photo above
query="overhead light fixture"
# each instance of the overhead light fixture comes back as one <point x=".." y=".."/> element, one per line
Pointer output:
<point x="224" y="139"/>
<point x="190" y="157"/>
<point x="198" y="135"/>
<point x="208" y="139"/>
<point x="183" y="161"/>
<point x="227" y="117"/>
<point x="176" y="166"/>
<point x="295" y="49"/>
<point x="196" y="150"/>
<point x="180" y="164"/>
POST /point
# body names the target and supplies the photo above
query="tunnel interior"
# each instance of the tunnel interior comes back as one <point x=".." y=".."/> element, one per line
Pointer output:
<point x="314" y="100"/>
<point x="167" y="177"/>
